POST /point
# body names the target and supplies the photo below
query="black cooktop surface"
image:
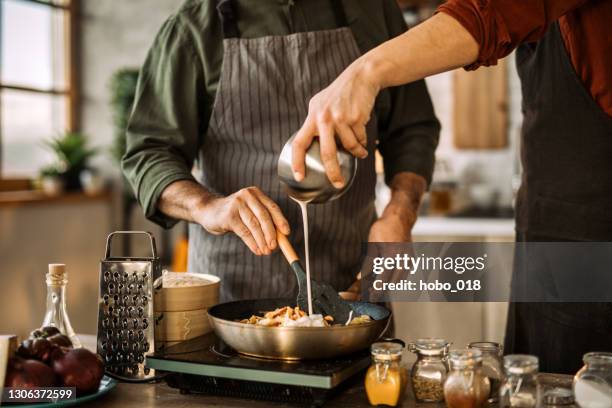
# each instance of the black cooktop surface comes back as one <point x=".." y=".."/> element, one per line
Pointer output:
<point x="209" y="356"/>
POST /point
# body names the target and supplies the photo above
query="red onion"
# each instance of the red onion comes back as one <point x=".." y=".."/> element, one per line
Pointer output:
<point x="60" y="340"/>
<point x="23" y="373"/>
<point x="78" y="368"/>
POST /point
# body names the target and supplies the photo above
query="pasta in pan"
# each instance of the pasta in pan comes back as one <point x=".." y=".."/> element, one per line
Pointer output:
<point x="295" y="317"/>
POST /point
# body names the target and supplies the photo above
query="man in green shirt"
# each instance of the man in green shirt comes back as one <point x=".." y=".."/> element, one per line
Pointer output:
<point x="225" y="84"/>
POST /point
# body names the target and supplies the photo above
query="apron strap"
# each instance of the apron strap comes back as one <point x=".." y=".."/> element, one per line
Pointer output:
<point x="339" y="13"/>
<point x="229" y="18"/>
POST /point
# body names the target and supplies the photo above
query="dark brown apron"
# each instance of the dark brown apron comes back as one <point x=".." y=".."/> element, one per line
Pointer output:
<point x="261" y="100"/>
<point x="566" y="195"/>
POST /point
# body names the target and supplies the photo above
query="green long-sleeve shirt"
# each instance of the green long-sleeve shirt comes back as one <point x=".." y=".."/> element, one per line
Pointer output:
<point x="179" y="79"/>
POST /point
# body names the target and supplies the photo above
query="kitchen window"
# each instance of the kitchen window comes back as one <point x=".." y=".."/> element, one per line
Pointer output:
<point x="38" y="92"/>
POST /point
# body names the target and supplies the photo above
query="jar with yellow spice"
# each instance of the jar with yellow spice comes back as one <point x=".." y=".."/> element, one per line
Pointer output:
<point x="386" y="378"/>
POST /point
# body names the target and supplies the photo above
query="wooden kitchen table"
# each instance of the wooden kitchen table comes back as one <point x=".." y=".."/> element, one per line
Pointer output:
<point x="127" y="395"/>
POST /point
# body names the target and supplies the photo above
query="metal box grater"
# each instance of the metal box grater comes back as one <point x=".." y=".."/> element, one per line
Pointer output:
<point x="125" y="311"/>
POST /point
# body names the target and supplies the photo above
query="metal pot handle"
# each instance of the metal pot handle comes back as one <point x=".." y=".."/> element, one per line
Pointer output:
<point x="110" y="237"/>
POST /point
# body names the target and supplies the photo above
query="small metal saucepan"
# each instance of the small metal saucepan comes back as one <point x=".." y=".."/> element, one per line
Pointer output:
<point x="294" y="343"/>
<point x="315" y="187"/>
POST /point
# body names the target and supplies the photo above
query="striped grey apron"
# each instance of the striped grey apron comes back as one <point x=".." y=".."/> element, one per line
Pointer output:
<point x="261" y="100"/>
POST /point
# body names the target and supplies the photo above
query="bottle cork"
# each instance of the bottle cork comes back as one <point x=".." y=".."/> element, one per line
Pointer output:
<point x="57" y="269"/>
<point x="57" y="274"/>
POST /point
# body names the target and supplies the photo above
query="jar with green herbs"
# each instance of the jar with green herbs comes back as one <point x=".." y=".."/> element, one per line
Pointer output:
<point x="466" y="386"/>
<point x="429" y="372"/>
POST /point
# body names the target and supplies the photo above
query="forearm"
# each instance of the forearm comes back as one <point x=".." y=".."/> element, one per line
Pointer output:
<point x="248" y="213"/>
<point x="183" y="200"/>
<point x="407" y="189"/>
<point x="437" y="45"/>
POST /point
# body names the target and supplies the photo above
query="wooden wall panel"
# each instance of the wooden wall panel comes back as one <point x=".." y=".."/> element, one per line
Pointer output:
<point x="480" y="109"/>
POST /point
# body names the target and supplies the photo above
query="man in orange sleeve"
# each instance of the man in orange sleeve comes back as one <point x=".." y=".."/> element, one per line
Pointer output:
<point x="564" y="60"/>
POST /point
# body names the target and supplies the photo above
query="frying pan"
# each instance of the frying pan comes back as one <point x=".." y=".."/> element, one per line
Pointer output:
<point x="294" y="343"/>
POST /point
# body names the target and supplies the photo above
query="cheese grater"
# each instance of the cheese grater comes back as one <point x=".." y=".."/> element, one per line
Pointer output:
<point x="125" y="311"/>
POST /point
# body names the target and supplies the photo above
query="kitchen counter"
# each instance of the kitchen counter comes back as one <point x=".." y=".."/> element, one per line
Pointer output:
<point x="464" y="227"/>
<point x="160" y="395"/>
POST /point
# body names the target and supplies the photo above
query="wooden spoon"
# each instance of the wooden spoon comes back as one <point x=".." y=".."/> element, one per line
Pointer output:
<point x="325" y="299"/>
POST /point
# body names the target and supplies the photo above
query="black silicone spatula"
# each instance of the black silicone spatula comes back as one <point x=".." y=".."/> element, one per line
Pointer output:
<point x="325" y="300"/>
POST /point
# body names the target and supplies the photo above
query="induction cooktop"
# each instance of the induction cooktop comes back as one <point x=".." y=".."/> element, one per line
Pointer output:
<point x="207" y="365"/>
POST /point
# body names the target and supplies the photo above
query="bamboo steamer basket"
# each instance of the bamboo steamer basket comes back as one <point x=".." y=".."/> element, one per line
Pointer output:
<point x="181" y="326"/>
<point x="180" y="299"/>
<point x="181" y="312"/>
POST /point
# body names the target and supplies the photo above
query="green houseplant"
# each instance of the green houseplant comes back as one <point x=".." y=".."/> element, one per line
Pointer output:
<point x="51" y="180"/>
<point x="51" y="171"/>
<point x="72" y="154"/>
<point x="123" y="91"/>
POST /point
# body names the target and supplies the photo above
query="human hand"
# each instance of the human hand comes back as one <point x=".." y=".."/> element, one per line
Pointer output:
<point x="342" y="110"/>
<point x="248" y="213"/>
<point x="392" y="228"/>
<point x="399" y="216"/>
<point x="353" y="292"/>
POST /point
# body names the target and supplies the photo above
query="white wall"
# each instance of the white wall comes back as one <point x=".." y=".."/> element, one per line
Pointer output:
<point x="493" y="167"/>
<point x="115" y="34"/>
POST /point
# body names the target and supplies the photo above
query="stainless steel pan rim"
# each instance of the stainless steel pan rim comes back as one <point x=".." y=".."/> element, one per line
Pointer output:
<point x="293" y="328"/>
<point x="294" y="343"/>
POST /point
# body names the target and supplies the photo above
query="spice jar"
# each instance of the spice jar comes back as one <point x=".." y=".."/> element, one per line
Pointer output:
<point x="466" y="385"/>
<point x="520" y="388"/>
<point x="593" y="383"/>
<point x="430" y="369"/>
<point x="492" y="365"/>
<point x="557" y="397"/>
<point x="386" y="378"/>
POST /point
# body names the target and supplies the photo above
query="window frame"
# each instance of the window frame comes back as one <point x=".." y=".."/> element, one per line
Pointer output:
<point x="71" y="91"/>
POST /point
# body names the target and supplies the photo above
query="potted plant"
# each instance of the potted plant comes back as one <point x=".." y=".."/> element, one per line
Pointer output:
<point x="73" y="154"/>
<point x="92" y="182"/>
<point x="51" y="181"/>
<point x="123" y="92"/>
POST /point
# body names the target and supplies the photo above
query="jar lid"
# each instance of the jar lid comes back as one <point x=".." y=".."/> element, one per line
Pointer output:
<point x="465" y="358"/>
<point x="487" y="347"/>
<point x="386" y="350"/>
<point x="430" y="346"/>
<point x="598" y="357"/>
<point x="521" y="364"/>
<point x="559" y="396"/>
